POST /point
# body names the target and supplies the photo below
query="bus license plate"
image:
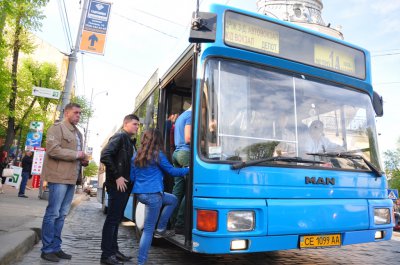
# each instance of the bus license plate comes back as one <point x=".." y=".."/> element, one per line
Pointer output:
<point x="320" y="241"/>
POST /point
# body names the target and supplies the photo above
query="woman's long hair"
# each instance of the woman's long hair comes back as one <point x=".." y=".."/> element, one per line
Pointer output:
<point x="150" y="147"/>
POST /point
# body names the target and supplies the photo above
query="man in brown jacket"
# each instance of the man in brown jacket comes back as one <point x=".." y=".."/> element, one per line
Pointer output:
<point x="61" y="169"/>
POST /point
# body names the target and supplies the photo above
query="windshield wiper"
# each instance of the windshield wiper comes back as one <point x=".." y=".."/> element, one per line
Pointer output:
<point x="350" y="156"/>
<point x="243" y="164"/>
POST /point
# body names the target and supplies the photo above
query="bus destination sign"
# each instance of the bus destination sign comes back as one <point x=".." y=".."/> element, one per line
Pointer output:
<point x="267" y="37"/>
<point x="251" y="35"/>
<point x="330" y="58"/>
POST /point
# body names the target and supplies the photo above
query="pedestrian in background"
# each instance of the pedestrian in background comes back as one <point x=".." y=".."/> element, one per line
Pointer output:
<point x="62" y="170"/>
<point x="116" y="157"/>
<point x="3" y="165"/>
<point x="147" y="170"/>
<point x="26" y="172"/>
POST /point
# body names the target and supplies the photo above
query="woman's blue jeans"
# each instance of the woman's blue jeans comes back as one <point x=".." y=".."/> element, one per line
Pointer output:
<point x="153" y="203"/>
<point x="60" y="198"/>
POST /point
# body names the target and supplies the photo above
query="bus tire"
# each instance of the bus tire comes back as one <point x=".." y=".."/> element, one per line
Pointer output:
<point x="104" y="208"/>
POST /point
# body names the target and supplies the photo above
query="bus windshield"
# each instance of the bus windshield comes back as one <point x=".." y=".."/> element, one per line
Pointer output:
<point x="252" y="113"/>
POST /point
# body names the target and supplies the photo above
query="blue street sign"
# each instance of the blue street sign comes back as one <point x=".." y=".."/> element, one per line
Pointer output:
<point x="97" y="16"/>
<point x="393" y="194"/>
<point x="33" y="139"/>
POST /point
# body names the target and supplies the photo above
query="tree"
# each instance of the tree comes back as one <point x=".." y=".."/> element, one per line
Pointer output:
<point x="30" y="108"/>
<point x="91" y="170"/>
<point x="25" y="15"/>
<point x="392" y="166"/>
<point x="5" y="75"/>
<point x="87" y="112"/>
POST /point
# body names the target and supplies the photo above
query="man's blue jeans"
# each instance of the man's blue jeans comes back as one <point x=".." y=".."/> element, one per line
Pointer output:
<point x="180" y="158"/>
<point x="153" y="203"/>
<point x="117" y="201"/>
<point x="25" y="177"/>
<point x="60" y="198"/>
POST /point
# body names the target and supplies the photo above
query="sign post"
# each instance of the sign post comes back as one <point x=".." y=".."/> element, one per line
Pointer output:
<point x="46" y="92"/>
<point x="393" y="194"/>
<point x="34" y="136"/>
<point x="95" y="28"/>
<point x="37" y="165"/>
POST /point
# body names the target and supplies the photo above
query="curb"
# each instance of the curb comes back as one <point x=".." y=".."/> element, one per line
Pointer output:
<point x="15" y="244"/>
<point x="22" y="242"/>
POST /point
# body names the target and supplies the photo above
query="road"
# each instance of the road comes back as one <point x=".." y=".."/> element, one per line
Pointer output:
<point x="82" y="237"/>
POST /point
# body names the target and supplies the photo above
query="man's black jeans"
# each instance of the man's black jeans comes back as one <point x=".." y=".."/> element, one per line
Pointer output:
<point x="116" y="205"/>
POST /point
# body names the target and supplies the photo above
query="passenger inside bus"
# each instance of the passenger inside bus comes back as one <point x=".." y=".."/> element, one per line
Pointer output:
<point x="181" y="158"/>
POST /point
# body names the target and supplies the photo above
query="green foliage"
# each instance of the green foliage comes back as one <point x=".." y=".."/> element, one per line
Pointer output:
<point x="392" y="166"/>
<point x="90" y="170"/>
<point x="17" y="19"/>
<point x="260" y="150"/>
<point x="30" y="108"/>
<point x="87" y="112"/>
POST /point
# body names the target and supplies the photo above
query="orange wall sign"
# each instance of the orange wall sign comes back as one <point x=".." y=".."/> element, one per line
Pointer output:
<point x="92" y="42"/>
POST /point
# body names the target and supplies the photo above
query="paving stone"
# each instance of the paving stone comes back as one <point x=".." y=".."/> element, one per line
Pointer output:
<point x="82" y="238"/>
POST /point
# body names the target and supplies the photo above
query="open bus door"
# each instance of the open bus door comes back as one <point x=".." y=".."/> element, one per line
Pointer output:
<point x="175" y="96"/>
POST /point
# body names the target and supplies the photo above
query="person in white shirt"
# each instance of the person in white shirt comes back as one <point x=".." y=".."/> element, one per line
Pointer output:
<point x="317" y="142"/>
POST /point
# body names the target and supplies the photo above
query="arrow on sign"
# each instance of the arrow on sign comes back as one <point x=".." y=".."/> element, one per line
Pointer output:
<point x="93" y="38"/>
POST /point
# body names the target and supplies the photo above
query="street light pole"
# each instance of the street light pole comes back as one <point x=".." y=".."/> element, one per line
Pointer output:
<point x="69" y="80"/>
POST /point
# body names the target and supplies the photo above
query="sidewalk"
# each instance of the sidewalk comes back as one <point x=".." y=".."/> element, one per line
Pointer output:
<point x="396" y="236"/>
<point x="21" y="221"/>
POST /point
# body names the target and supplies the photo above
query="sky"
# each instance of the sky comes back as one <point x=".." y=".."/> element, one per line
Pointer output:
<point x="141" y="36"/>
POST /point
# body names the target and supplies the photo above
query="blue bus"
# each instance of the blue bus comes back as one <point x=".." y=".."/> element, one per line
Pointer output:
<point x="284" y="145"/>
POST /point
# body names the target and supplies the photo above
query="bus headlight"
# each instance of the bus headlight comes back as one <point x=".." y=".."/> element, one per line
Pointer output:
<point x="381" y="216"/>
<point x="240" y="221"/>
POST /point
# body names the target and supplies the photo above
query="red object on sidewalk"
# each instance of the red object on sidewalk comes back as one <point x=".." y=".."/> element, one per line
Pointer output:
<point x="35" y="181"/>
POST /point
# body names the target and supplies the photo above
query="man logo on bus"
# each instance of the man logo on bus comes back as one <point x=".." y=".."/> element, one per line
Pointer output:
<point x="319" y="180"/>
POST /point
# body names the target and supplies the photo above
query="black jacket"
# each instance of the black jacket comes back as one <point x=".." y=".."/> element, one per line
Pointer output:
<point x="116" y="156"/>
<point x="27" y="164"/>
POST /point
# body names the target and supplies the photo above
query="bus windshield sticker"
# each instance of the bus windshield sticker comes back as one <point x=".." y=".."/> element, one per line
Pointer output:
<point x="251" y="35"/>
<point x="214" y="151"/>
<point x="331" y="58"/>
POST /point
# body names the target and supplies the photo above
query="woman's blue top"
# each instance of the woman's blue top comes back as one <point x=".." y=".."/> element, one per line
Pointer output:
<point x="149" y="179"/>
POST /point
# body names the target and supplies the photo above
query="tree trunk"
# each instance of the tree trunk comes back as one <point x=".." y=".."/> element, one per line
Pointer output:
<point x="11" y="130"/>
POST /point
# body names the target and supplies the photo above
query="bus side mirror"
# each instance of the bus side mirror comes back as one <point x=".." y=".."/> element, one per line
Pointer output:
<point x="377" y="103"/>
<point x="204" y="27"/>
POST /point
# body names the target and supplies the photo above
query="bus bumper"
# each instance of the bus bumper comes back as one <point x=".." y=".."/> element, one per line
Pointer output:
<point x="222" y="245"/>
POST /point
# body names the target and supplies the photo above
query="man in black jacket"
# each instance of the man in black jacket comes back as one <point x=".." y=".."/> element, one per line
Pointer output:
<point x="116" y="156"/>
<point x="27" y="161"/>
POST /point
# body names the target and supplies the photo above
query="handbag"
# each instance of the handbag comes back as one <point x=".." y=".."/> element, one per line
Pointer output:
<point x="8" y="172"/>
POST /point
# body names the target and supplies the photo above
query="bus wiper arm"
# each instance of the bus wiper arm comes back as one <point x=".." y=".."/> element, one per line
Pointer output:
<point x="240" y="165"/>
<point x="350" y="156"/>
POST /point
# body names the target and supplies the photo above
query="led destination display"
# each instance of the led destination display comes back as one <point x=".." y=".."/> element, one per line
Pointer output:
<point x="266" y="37"/>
